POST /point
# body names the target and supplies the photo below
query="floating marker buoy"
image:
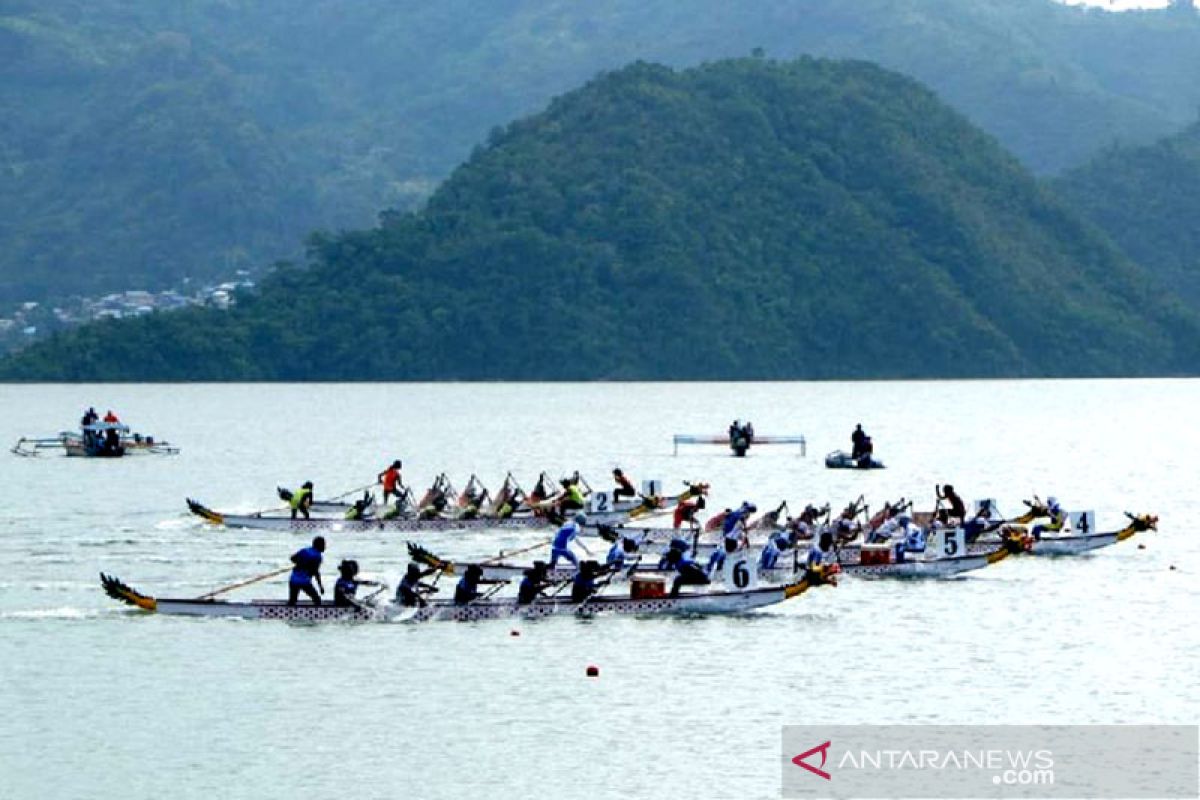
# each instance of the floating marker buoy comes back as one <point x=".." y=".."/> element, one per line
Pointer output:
<point x="1141" y="547"/>
<point x="593" y="671"/>
<point x="1172" y="566"/>
<point x="514" y="633"/>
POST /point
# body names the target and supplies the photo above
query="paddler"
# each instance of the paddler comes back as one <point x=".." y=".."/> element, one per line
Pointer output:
<point x="302" y="500"/>
<point x="359" y="510"/>
<point x="532" y="584"/>
<point x="390" y="478"/>
<point x="734" y="524"/>
<point x="688" y="572"/>
<point x="676" y="545"/>
<point x="623" y="549"/>
<point x="571" y="498"/>
<point x="346" y="588"/>
<point x="307" y="568"/>
<point x="773" y="549"/>
<point x="1058" y="519"/>
<point x="821" y="552"/>
<point x="955" y="511"/>
<point x="685" y="511"/>
<point x="568" y="533"/>
<point x="111" y="418"/>
<point x="584" y="584"/>
<point x="467" y="590"/>
<point x="624" y="486"/>
<point x="409" y="592"/>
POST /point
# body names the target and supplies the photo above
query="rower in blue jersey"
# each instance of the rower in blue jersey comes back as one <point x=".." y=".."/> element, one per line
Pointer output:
<point x="345" y="591"/>
<point x="584" y="584"/>
<point x="307" y="567"/>
<point x="623" y="550"/>
<point x="676" y="545"/>
<point x="688" y="572"/>
<point x="770" y="554"/>
<point x="411" y="590"/>
<point x="562" y="541"/>
<point x="532" y="584"/>
<point x="468" y="586"/>
<point x="737" y="518"/>
<point x="821" y="552"/>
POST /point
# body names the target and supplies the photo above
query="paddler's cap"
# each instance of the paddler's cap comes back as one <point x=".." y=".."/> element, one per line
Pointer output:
<point x="396" y="464"/>
<point x="307" y="485"/>
<point x="581" y="519"/>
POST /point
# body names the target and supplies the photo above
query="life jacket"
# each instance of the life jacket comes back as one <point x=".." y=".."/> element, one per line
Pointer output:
<point x="298" y="497"/>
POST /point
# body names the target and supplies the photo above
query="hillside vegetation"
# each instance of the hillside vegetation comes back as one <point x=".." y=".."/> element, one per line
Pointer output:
<point x="141" y="142"/>
<point x="743" y="219"/>
<point x="1147" y="199"/>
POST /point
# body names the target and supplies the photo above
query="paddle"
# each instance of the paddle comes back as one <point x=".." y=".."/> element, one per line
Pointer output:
<point x="239" y="585"/>
<point x="596" y="591"/>
<point x="504" y="555"/>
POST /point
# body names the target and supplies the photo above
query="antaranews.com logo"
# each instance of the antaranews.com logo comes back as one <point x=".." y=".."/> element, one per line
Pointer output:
<point x="991" y="761"/>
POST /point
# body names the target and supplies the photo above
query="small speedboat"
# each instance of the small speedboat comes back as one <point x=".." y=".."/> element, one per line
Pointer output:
<point x="840" y="459"/>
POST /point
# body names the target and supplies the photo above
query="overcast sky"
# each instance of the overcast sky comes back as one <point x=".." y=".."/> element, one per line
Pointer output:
<point x="1119" y="5"/>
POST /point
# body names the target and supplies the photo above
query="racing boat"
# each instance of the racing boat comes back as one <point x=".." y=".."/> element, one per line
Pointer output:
<point x="282" y="521"/>
<point x="1069" y="543"/>
<point x="705" y="602"/>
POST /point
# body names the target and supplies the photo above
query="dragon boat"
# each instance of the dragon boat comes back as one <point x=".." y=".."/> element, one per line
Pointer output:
<point x="278" y="521"/>
<point x="705" y="602"/>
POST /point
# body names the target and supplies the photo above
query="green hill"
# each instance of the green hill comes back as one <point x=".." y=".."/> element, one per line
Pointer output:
<point x="1147" y="198"/>
<point x="144" y="142"/>
<point x="744" y="219"/>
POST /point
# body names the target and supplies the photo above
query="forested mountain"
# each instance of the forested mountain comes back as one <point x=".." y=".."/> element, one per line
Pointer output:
<point x="743" y="219"/>
<point x="1148" y="199"/>
<point x="144" y="141"/>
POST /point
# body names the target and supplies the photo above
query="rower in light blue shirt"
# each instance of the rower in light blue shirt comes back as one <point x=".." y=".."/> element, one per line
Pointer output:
<point x="562" y="542"/>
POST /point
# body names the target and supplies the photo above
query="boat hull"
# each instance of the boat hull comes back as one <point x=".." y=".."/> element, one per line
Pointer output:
<point x="336" y="525"/>
<point x="706" y="603"/>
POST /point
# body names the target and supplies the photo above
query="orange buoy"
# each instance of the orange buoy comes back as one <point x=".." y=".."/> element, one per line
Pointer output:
<point x="593" y="671"/>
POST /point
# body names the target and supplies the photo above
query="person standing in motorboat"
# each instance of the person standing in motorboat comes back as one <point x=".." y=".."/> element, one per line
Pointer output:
<point x="858" y="440"/>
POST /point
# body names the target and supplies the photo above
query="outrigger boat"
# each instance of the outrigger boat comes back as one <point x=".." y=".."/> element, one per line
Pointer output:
<point x="706" y="602"/>
<point x="96" y="440"/>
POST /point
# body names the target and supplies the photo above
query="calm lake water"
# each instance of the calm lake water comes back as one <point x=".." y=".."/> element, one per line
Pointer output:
<point x="99" y="701"/>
